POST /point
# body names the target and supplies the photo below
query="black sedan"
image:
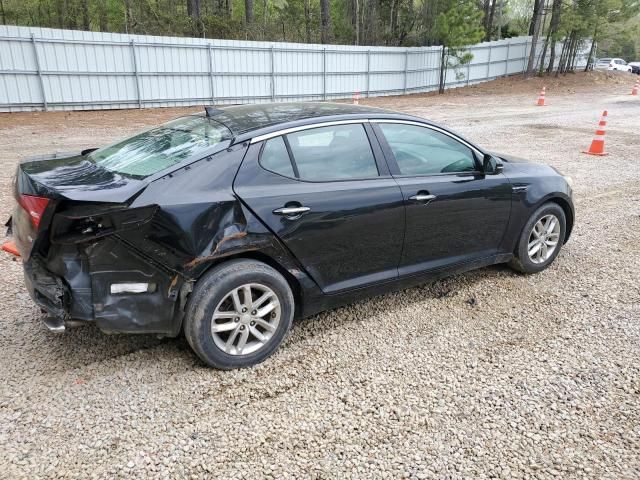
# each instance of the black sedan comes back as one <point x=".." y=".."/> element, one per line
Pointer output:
<point x="229" y="224"/>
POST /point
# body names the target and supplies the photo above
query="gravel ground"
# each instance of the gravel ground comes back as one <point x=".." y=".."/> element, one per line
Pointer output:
<point x="484" y="375"/>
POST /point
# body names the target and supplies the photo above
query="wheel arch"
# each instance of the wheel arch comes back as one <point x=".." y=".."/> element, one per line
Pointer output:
<point x="292" y="281"/>
<point x="568" y="213"/>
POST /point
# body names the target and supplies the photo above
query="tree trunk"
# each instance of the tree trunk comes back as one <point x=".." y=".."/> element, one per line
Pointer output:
<point x="567" y="55"/>
<point x="552" y="57"/>
<point x="562" y="54"/>
<point x="567" y="48"/>
<point x="60" y="14"/>
<point x="325" y="19"/>
<point x="193" y="8"/>
<point x="490" y="22"/>
<point x="248" y="11"/>
<point x="534" y="38"/>
<point x="574" y="53"/>
<point x="307" y="20"/>
<point x="128" y="21"/>
<point x="543" y="56"/>
<point x="486" y="6"/>
<point x="553" y="32"/>
<point x="500" y="7"/>
<point x="537" y="6"/>
<point x="356" y="16"/>
<point x="592" y="49"/>
<point x="103" y="18"/>
<point x="443" y="70"/>
<point x="85" y="15"/>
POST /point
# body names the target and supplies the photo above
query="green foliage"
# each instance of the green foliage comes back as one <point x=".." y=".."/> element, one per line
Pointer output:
<point x="459" y="24"/>
<point x="453" y="23"/>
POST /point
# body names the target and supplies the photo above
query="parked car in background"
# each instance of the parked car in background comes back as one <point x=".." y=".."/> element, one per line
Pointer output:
<point x="230" y="224"/>
<point x="635" y="67"/>
<point x="612" y="64"/>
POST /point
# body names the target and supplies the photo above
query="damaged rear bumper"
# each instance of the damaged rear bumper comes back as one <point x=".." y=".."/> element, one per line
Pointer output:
<point x="48" y="292"/>
<point x="94" y="290"/>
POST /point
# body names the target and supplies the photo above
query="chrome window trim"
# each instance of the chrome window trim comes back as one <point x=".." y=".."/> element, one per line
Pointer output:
<point x="286" y="131"/>
<point x="431" y="127"/>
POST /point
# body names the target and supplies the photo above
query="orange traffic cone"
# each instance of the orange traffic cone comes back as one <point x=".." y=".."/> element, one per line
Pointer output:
<point x="597" y="145"/>
<point x="11" y="248"/>
<point x="541" y="97"/>
<point x="356" y="98"/>
<point x="636" y="87"/>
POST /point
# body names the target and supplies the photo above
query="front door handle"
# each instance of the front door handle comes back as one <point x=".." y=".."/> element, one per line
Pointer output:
<point x="422" y="197"/>
<point x="291" y="211"/>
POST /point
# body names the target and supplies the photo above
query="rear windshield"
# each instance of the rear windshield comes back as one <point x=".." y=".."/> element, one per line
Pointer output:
<point x="161" y="147"/>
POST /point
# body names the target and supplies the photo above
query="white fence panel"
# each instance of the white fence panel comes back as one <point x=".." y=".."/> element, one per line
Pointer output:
<point x="51" y="69"/>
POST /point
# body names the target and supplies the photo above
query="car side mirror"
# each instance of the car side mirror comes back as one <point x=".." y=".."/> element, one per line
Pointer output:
<point x="491" y="165"/>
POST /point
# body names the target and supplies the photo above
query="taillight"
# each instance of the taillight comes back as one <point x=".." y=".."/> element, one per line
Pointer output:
<point x="35" y="207"/>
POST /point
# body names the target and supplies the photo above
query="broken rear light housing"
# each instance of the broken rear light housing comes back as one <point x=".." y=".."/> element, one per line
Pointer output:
<point x="34" y="206"/>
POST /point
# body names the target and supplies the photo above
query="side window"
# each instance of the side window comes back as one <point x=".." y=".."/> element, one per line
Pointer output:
<point x="338" y="152"/>
<point x="422" y="151"/>
<point x="275" y="157"/>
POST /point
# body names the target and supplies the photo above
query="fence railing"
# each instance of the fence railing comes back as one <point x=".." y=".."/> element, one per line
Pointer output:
<point x="71" y="70"/>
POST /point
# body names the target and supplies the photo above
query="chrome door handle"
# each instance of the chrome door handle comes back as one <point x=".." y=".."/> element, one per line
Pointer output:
<point x="422" y="198"/>
<point x="291" y="211"/>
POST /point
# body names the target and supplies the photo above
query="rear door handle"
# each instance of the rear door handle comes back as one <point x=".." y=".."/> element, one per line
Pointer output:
<point x="422" y="197"/>
<point x="291" y="211"/>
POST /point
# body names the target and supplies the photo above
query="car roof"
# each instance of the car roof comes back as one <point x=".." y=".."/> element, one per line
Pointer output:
<point x="241" y="119"/>
<point x="253" y="120"/>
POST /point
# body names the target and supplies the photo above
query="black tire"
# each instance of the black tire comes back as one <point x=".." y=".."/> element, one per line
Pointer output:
<point x="212" y="289"/>
<point x="521" y="261"/>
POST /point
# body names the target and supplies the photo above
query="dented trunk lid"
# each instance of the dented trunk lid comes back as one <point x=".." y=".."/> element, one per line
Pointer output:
<point x="63" y="179"/>
<point x="73" y="176"/>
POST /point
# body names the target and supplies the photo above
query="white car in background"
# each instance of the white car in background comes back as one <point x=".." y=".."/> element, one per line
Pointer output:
<point x="612" y="64"/>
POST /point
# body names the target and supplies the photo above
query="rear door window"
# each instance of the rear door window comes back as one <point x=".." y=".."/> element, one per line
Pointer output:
<point x="275" y="157"/>
<point x="337" y="152"/>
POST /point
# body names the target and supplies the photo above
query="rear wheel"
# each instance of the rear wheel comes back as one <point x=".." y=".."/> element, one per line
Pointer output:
<point x="238" y="314"/>
<point x="541" y="239"/>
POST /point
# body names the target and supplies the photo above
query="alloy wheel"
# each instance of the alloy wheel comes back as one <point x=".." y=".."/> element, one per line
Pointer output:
<point x="246" y="319"/>
<point x="543" y="239"/>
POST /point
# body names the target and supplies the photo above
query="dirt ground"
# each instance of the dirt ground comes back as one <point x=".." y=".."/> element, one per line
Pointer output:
<point x="490" y="374"/>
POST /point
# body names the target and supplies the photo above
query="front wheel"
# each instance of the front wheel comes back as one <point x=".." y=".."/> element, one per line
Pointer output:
<point x="238" y="314"/>
<point x="541" y="239"/>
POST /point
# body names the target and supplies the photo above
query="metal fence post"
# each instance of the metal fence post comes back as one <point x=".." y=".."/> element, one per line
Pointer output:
<point x="406" y="67"/>
<point x="324" y="73"/>
<point x="442" y="61"/>
<point x="135" y="72"/>
<point x="506" y="62"/>
<point x="213" y="98"/>
<point x="273" y="76"/>
<point x="40" y="79"/>
<point x="488" y="64"/>
<point x="368" y="71"/>
<point x="524" y="59"/>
